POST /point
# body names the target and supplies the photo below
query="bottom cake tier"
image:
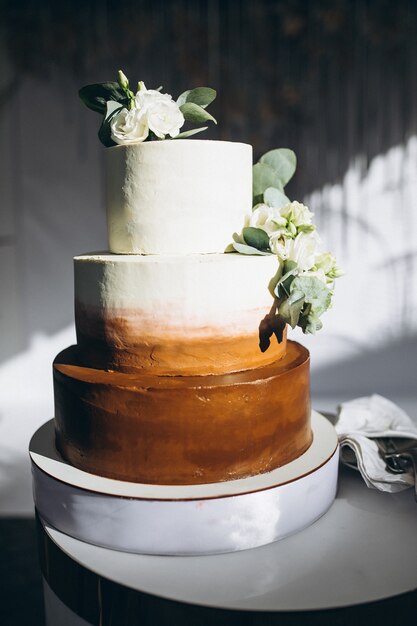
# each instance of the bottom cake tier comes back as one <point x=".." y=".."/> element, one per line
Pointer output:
<point x="182" y="430"/>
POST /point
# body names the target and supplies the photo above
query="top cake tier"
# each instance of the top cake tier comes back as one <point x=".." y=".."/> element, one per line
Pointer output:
<point x="177" y="197"/>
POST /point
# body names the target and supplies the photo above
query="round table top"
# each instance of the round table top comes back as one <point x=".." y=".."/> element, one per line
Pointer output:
<point x="364" y="549"/>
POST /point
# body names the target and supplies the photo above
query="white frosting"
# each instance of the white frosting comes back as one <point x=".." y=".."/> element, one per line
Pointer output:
<point x="225" y="294"/>
<point x="177" y="196"/>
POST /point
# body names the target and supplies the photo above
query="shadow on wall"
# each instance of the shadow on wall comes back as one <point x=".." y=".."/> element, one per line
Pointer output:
<point x="390" y="370"/>
<point x="310" y="75"/>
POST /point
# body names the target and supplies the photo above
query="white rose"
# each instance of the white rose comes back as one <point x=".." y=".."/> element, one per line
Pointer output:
<point x="268" y="219"/>
<point x="303" y="250"/>
<point x="129" y="127"/>
<point x="297" y="213"/>
<point x="318" y="274"/>
<point x="162" y="113"/>
<point x="327" y="265"/>
<point x="164" y="118"/>
<point x="280" y="246"/>
<point x="325" y="261"/>
<point x="145" y="97"/>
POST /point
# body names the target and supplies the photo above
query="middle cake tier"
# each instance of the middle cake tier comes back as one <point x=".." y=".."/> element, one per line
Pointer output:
<point x="182" y="429"/>
<point x="174" y="315"/>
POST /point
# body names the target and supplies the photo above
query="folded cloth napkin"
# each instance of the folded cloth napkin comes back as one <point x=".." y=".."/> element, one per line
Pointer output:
<point x="358" y="423"/>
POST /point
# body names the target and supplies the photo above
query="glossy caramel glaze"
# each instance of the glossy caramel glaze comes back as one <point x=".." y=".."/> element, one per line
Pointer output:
<point x="182" y="430"/>
<point x="126" y="343"/>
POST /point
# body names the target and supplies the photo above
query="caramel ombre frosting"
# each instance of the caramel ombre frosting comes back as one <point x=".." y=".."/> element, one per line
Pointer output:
<point x="173" y="315"/>
<point x="182" y="430"/>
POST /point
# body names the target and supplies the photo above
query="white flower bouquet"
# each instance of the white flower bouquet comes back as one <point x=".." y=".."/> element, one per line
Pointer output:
<point x="146" y="115"/>
<point x="303" y="285"/>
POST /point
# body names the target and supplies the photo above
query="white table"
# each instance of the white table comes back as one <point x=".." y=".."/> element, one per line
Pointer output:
<point x="364" y="549"/>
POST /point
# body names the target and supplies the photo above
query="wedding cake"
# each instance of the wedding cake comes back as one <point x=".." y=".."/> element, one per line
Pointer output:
<point x="182" y="373"/>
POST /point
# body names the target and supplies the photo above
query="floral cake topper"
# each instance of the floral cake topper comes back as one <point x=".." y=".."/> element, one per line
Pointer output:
<point x="146" y="115"/>
<point x="303" y="285"/>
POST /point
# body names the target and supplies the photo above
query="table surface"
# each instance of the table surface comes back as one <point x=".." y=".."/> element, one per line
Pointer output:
<point x="363" y="549"/>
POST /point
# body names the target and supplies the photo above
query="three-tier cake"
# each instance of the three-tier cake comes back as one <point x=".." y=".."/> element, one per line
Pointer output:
<point x="167" y="383"/>
<point x="182" y="415"/>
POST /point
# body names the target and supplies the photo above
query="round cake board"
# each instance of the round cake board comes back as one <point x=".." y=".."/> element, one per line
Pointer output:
<point x="189" y="519"/>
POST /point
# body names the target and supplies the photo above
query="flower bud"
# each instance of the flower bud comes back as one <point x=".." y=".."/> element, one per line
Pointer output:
<point x="122" y="79"/>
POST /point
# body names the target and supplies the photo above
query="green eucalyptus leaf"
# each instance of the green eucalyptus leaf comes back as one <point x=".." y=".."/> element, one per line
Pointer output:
<point x="290" y="309"/>
<point x="289" y="271"/>
<point x="256" y="237"/>
<point x="190" y="133"/>
<point x="203" y="96"/>
<point x="104" y="133"/>
<point x="283" y="161"/>
<point x="96" y="96"/>
<point x="310" y="324"/>
<point x="272" y="285"/>
<point x="283" y="289"/>
<point x="182" y="99"/>
<point x="263" y="177"/>
<point x="275" y="198"/>
<point x="289" y="266"/>
<point x="194" y="113"/>
<point x="244" y="249"/>
<point x="295" y="303"/>
<point x="316" y="293"/>
<point x="284" y="310"/>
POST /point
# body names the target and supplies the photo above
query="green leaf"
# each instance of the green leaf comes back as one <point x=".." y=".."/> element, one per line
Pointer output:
<point x="203" y="96"/>
<point x="304" y="299"/>
<point x="282" y="161"/>
<point x="190" y="133"/>
<point x="96" y="96"/>
<point x="289" y="266"/>
<point x="256" y="237"/>
<point x="283" y="287"/>
<point x="104" y="133"/>
<point x="263" y="177"/>
<point x="182" y="99"/>
<point x="316" y="293"/>
<point x="194" y="113"/>
<point x="275" y="198"/>
<point x="259" y="199"/>
<point x="244" y="249"/>
<point x="310" y="324"/>
<point x="295" y="303"/>
<point x="272" y="285"/>
<point x="290" y="308"/>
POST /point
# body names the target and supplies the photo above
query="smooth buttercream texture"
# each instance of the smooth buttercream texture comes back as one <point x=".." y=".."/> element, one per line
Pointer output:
<point x="177" y="196"/>
<point x="191" y="314"/>
<point x="183" y="429"/>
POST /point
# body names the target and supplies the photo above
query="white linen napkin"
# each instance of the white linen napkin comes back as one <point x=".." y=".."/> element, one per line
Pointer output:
<point x="361" y="420"/>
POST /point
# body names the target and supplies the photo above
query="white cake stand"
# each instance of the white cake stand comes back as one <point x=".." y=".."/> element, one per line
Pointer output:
<point x="190" y="519"/>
